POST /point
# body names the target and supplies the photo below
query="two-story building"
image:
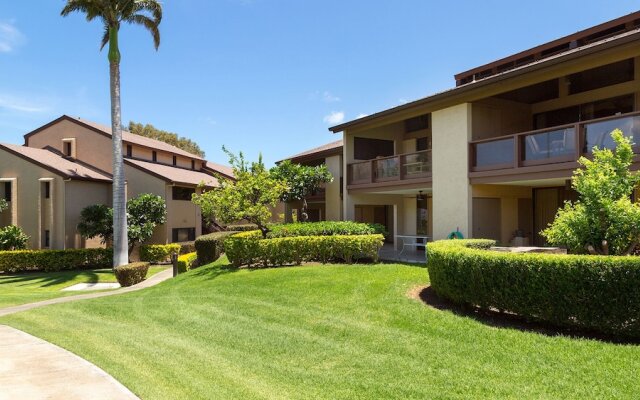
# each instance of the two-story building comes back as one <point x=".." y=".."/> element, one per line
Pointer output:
<point x="493" y="156"/>
<point x="66" y="165"/>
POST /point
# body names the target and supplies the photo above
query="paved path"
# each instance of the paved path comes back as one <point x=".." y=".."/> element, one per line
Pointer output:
<point x="154" y="280"/>
<point x="31" y="368"/>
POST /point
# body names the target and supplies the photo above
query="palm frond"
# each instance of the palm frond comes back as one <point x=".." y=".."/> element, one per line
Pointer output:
<point x="150" y="24"/>
<point x="154" y="7"/>
<point x="105" y="37"/>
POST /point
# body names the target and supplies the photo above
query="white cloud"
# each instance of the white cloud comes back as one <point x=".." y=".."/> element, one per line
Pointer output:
<point x="334" y="117"/>
<point x="10" y="37"/>
<point x="403" y="101"/>
<point x="361" y="115"/>
<point x="13" y="103"/>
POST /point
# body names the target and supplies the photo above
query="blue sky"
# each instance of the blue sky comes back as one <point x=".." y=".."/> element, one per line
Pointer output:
<point x="264" y="75"/>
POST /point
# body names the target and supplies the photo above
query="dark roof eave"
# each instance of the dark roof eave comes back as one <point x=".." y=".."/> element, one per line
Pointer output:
<point x="490" y="80"/>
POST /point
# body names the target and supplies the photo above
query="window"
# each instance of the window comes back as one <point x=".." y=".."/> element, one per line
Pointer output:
<point x="129" y="150"/>
<point x="47" y="238"/>
<point x="369" y="149"/>
<point x="193" y="164"/>
<point x="68" y="149"/>
<point x="607" y="75"/>
<point x="7" y="191"/>
<point x="182" y="193"/>
<point x="154" y="156"/>
<point x="47" y="190"/>
<point x="423" y="143"/>
<point x="175" y="160"/>
<point x="584" y="112"/>
<point x="183" y="234"/>
<point x="416" y="124"/>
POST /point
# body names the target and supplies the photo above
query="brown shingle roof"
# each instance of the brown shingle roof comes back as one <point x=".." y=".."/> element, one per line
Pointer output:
<point x="126" y="136"/>
<point x="325" y="149"/>
<point x="173" y="174"/>
<point x="221" y="169"/>
<point x="56" y="163"/>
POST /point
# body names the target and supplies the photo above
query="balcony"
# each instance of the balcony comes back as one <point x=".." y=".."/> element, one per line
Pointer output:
<point x="398" y="168"/>
<point x="561" y="144"/>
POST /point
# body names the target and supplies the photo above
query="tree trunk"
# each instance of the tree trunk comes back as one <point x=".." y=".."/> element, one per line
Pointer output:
<point x="120" y="239"/>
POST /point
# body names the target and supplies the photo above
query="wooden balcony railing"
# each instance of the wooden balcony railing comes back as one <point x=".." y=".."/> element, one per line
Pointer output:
<point x="395" y="168"/>
<point x="552" y="145"/>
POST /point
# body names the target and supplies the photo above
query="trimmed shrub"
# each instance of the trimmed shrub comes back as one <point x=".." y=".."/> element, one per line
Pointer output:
<point x="209" y="247"/>
<point x="187" y="247"/>
<point x="187" y="262"/>
<point x="247" y="248"/>
<point x="54" y="260"/>
<point x="241" y="227"/>
<point x="325" y="228"/>
<point x="599" y="293"/>
<point x="130" y="274"/>
<point x="158" y="253"/>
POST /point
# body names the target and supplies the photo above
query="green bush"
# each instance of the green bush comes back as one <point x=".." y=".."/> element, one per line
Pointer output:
<point x="187" y="262"/>
<point x="209" y="247"/>
<point x="187" y="247"/>
<point x="130" y="274"/>
<point x="13" y="238"/>
<point x="324" y="228"/>
<point x="247" y="248"/>
<point x="54" y="260"/>
<point x="158" y="253"/>
<point x="599" y="293"/>
<point x="241" y="227"/>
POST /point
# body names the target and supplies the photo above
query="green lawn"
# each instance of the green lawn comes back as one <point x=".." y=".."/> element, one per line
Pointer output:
<point x="321" y="332"/>
<point x="36" y="286"/>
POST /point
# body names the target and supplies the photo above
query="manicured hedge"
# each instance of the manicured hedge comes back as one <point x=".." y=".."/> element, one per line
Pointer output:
<point x="209" y="247"/>
<point x="187" y="247"/>
<point x="187" y="262"/>
<point x="54" y="260"/>
<point x="158" y="253"/>
<point x="247" y="248"/>
<point x="324" y="228"/>
<point x="599" y="293"/>
<point x="130" y="274"/>
<point x="241" y="227"/>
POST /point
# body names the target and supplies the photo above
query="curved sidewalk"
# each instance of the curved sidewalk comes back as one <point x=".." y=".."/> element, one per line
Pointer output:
<point x="154" y="280"/>
<point x="31" y="368"/>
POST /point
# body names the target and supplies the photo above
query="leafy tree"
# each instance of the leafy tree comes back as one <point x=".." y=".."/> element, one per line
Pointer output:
<point x="96" y="221"/>
<point x="171" y="138"/>
<point x="3" y="205"/>
<point x="604" y="220"/>
<point x="301" y="181"/>
<point x="112" y="13"/>
<point x="144" y="212"/>
<point x="13" y="238"/>
<point x="250" y="197"/>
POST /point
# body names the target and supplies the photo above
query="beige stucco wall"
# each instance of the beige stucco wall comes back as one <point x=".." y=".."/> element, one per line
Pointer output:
<point x="78" y="195"/>
<point x="27" y="194"/>
<point x="333" y="202"/>
<point x="182" y="214"/>
<point x="91" y="147"/>
<point x="451" y="189"/>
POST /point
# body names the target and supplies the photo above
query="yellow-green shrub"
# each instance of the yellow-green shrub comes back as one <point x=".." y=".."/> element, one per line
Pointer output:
<point x="54" y="260"/>
<point x="247" y="248"/>
<point x="158" y="253"/>
<point x="187" y="262"/>
<point x="600" y="293"/>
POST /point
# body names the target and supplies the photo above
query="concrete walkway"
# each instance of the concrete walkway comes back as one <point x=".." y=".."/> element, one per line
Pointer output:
<point x="154" y="280"/>
<point x="31" y="368"/>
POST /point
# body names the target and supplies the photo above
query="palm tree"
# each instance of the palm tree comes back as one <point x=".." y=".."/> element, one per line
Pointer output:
<point x="112" y="13"/>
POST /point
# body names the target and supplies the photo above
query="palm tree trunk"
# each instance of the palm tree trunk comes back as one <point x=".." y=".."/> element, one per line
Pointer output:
<point x="120" y="239"/>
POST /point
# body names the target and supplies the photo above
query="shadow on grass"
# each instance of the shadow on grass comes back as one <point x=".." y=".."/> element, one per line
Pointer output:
<point x="498" y="319"/>
<point x="213" y="272"/>
<point x="46" y="279"/>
